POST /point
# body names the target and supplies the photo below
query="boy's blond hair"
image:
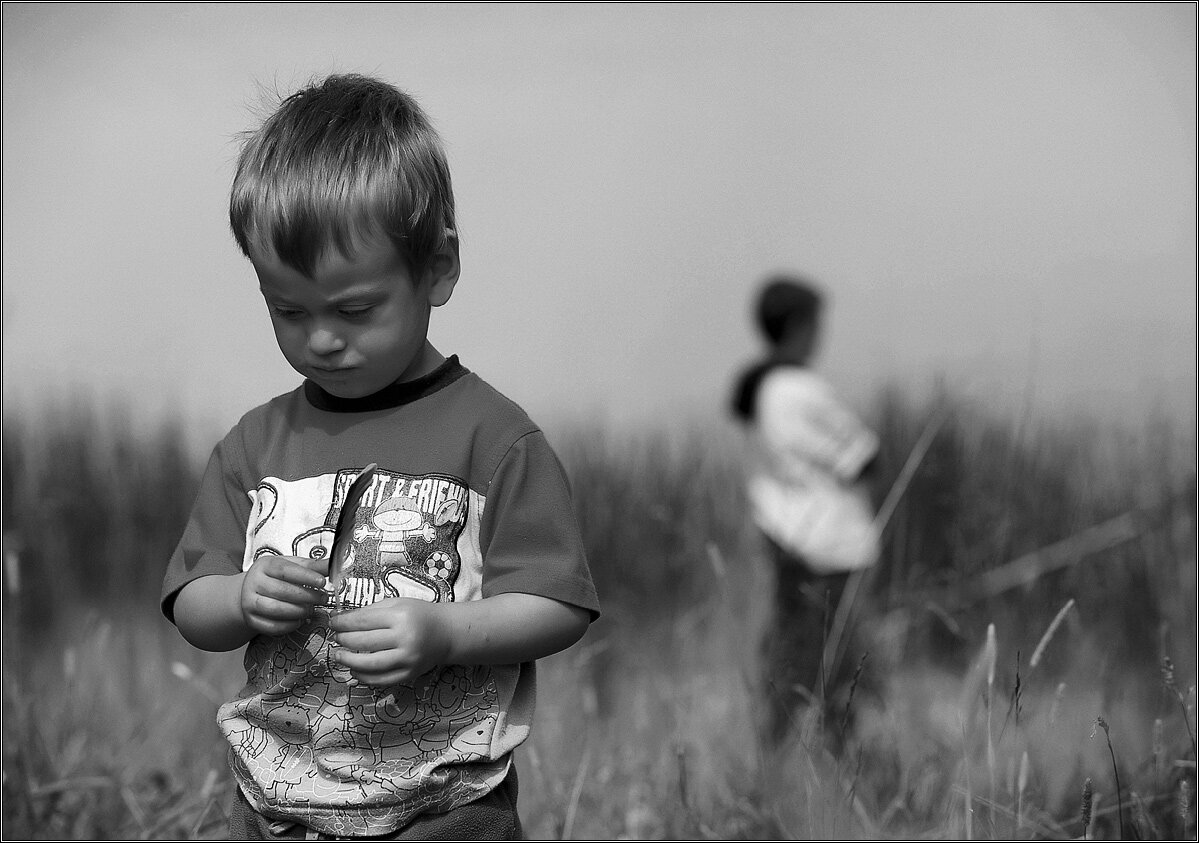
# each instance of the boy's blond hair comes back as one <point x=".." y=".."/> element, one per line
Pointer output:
<point x="342" y="161"/>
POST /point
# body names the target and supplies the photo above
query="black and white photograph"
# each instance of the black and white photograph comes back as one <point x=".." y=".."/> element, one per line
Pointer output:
<point x="599" y="421"/>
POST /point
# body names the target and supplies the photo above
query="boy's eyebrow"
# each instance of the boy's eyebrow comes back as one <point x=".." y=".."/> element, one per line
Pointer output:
<point x="365" y="292"/>
<point x="356" y="294"/>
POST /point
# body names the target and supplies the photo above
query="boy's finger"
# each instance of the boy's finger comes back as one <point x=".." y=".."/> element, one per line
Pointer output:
<point x="271" y="609"/>
<point x="297" y="570"/>
<point x="366" y="641"/>
<point x="287" y="592"/>
<point x="268" y="626"/>
<point x="362" y="619"/>
<point x="317" y="566"/>
<point x="376" y="615"/>
<point x="371" y="665"/>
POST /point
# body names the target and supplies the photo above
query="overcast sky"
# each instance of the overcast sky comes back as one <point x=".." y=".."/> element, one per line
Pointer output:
<point x="1002" y="196"/>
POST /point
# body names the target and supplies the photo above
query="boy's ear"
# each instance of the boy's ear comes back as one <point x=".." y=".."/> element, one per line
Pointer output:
<point x="443" y="272"/>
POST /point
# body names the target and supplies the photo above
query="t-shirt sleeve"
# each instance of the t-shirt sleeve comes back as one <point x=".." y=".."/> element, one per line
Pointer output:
<point x="529" y="534"/>
<point x="213" y="541"/>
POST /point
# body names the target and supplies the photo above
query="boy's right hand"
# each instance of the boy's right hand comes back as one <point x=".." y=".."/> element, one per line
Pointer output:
<point x="278" y="593"/>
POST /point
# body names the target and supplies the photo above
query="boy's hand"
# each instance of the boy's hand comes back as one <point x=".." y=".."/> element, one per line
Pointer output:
<point x="392" y="641"/>
<point x="278" y="593"/>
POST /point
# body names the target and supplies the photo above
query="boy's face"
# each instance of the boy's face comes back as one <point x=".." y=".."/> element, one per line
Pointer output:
<point x="360" y="322"/>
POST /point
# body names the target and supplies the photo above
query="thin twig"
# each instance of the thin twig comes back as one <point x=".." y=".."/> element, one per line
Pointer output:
<point x="1116" y="771"/>
<point x="1013" y="702"/>
<point x="1021" y="785"/>
<point x="576" y="792"/>
<point x="990" y="652"/>
<point x="1167" y="668"/>
<point x="969" y="812"/>
<point x="139" y="815"/>
<point x="88" y="783"/>
<point x="858" y="579"/>
<point x="1088" y="803"/>
<point x="684" y="796"/>
<point x="1053" y="625"/>
<point x="1039" y="828"/>
<point x="1032" y="566"/>
<point x="852" y="687"/>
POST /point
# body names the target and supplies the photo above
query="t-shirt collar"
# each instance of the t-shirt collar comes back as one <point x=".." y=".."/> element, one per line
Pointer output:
<point x="394" y="395"/>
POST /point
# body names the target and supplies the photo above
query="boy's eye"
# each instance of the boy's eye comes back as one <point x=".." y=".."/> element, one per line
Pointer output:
<point x="286" y="312"/>
<point x="355" y="312"/>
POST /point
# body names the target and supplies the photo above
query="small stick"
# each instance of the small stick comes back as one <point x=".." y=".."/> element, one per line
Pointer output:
<point x="1053" y="625"/>
<point x="1088" y="796"/>
<point x="1116" y="770"/>
<point x="576" y="792"/>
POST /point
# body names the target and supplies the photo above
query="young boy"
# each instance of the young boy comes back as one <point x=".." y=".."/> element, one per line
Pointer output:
<point x="810" y="453"/>
<point x="391" y="708"/>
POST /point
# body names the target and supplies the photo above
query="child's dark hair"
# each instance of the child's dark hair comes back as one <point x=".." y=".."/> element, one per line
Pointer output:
<point x="787" y="301"/>
<point x="344" y="160"/>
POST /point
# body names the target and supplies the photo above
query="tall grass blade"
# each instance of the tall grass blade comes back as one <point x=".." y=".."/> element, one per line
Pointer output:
<point x="1049" y="632"/>
<point x="990" y="656"/>
<point x="576" y="792"/>
<point x="1030" y="567"/>
<point x="1101" y="723"/>
<point x="1088" y="796"/>
<point x="859" y="579"/>
<point x="968" y="814"/>
<point x="1021" y="786"/>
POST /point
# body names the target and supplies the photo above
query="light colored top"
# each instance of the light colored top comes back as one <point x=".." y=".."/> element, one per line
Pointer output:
<point x="809" y="451"/>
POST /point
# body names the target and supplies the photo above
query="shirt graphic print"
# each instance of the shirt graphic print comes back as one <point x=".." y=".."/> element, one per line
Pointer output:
<point x="405" y="533"/>
<point x="306" y="738"/>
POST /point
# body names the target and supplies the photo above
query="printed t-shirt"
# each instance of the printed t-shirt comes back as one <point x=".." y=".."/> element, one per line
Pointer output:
<point x="468" y="501"/>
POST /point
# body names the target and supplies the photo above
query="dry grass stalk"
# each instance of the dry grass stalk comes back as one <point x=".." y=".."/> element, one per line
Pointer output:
<point x="990" y="653"/>
<point x="1056" y="706"/>
<point x="1101" y="723"/>
<point x="1159" y="751"/>
<point x="684" y="795"/>
<point x="1021" y="786"/>
<point x="1088" y="796"/>
<point x="206" y="794"/>
<point x="1168" y="681"/>
<point x="1014" y="707"/>
<point x="1184" y="803"/>
<point x="969" y="811"/>
<point x="859" y="579"/>
<point x="1029" y="568"/>
<point x="1049" y="632"/>
<point x="1037" y="829"/>
<point x="1142" y="820"/>
<point x="576" y="792"/>
<point x="853" y="685"/>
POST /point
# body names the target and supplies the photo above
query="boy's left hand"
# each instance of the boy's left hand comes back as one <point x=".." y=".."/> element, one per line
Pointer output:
<point x="392" y="641"/>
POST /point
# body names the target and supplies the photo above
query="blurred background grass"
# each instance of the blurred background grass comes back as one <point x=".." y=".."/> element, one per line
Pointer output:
<point x="1072" y="541"/>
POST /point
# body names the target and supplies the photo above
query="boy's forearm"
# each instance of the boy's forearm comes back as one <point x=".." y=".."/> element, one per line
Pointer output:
<point x="208" y="613"/>
<point x="512" y="628"/>
<point x="503" y="629"/>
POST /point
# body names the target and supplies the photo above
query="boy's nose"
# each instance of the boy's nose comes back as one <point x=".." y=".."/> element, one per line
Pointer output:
<point x="322" y="342"/>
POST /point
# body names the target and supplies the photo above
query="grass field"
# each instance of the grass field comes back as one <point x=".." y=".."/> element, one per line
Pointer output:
<point x="1027" y="644"/>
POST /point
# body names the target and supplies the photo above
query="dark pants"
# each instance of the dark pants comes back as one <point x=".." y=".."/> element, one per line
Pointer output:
<point x="794" y="675"/>
<point x="492" y="817"/>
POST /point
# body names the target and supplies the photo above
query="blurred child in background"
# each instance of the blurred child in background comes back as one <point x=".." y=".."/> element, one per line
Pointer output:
<point x="805" y="483"/>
